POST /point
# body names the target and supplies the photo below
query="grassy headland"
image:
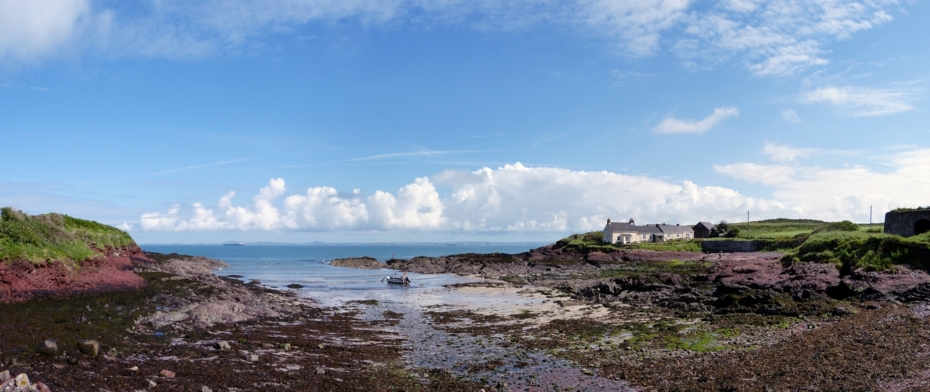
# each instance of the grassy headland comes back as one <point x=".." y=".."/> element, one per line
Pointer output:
<point x="54" y="237"/>
<point x="847" y="245"/>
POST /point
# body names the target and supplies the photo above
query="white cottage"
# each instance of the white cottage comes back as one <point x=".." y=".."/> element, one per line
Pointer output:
<point x="629" y="233"/>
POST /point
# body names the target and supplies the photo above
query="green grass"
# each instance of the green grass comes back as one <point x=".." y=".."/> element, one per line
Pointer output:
<point x="55" y="237"/>
<point x="869" y="251"/>
<point x="592" y="242"/>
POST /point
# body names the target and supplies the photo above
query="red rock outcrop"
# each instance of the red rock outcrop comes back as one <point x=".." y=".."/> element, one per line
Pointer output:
<point x="112" y="270"/>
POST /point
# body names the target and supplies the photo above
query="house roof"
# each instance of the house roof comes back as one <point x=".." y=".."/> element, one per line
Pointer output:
<point x="676" y="229"/>
<point x="708" y="225"/>
<point x="651" y="229"/>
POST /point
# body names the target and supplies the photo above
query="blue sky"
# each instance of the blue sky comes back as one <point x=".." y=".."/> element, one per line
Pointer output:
<point x="408" y="120"/>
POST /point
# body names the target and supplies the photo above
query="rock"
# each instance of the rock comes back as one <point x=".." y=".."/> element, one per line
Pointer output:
<point x="152" y="384"/>
<point x="50" y="347"/>
<point x="90" y="347"/>
<point x="42" y="387"/>
<point x="841" y="310"/>
<point x="321" y="346"/>
<point x="267" y="345"/>
<point x="22" y="380"/>
<point x="223" y="345"/>
<point x="320" y="370"/>
<point x="134" y="369"/>
<point x="364" y="262"/>
<point x="4" y="376"/>
<point x="253" y="358"/>
<point x="112" y="353"/>
<point x="167" y="373"/>
<point x="285" y="346"/>
<point x="206" y="389"/>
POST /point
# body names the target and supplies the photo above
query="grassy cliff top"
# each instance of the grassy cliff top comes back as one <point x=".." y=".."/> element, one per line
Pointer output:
<point x="39" y="238"/>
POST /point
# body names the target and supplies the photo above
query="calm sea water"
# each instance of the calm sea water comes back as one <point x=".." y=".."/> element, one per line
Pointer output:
<point x="278" y="266"/>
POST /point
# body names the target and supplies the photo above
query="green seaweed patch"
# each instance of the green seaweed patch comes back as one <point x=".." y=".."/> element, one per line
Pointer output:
<point x="701" y="341"/>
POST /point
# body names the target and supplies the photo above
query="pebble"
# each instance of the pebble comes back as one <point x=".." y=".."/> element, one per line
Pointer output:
<point x="253" y="358"/>
<point x="152" y="384"/>
<point x="206" y="389"/>
<point x="285" y="346"/>
<point x="134" y="368"/>
<point x="50" y="346"/>
<point x="223" y="345"/>
<point x="90" y="347"/>
<point x="167" y="373"/>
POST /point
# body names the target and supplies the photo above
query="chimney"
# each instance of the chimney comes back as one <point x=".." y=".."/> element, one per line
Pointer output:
<point x="632" y="222"/>
<point x="608" y="221"/>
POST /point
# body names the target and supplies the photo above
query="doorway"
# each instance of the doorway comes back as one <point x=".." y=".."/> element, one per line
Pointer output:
<point x="921" y="226"/>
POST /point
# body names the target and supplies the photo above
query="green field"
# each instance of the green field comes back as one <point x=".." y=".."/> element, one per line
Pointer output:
<point x="847" y="245"/>
<point x="54" y="237"/>
<point x="779" y="228"/>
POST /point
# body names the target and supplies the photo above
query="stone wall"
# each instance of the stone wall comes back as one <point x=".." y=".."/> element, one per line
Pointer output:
<point x="903" y="223"/>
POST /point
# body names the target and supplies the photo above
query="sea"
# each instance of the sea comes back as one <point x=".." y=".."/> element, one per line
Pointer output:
<point x="280" y="266"/>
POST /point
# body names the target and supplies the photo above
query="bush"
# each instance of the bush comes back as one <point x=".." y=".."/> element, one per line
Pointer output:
<point x="732" y="233"/>
<point x="841" y="226"/>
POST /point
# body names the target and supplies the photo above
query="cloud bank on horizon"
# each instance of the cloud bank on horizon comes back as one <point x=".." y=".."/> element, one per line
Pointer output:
<point x="772" y="38"/>
<point x="515" y="198"/>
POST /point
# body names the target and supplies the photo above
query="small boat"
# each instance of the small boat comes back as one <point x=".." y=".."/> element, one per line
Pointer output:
<point x="233" y="243"/>
<point x="402" y="280"/>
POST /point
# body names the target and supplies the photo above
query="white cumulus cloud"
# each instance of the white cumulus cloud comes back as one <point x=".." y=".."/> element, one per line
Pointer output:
<point x="846" y="192"/>
<point x="512" y="198"/>
<point x="674" y="125"/>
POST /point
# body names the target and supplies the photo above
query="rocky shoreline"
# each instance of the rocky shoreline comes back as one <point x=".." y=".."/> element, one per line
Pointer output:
<point x="626" y="320"/>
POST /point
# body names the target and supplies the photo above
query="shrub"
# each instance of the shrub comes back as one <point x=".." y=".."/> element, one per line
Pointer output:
<point x="841" y="226"/>
<point x="732" y="233"/>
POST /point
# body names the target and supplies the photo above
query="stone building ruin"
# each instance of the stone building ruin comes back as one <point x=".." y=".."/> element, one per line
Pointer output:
<point x="907" y="222"/>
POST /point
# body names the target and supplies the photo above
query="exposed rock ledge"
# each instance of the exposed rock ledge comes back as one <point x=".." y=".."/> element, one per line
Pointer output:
<point x="364" y="262"/>
<point x="112" y="270"/>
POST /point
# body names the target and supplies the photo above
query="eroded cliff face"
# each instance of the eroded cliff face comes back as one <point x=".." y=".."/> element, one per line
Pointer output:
<point x="111" y="270"/>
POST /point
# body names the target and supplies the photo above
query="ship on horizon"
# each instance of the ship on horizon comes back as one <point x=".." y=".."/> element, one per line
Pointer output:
<point x="233" y="243"/>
